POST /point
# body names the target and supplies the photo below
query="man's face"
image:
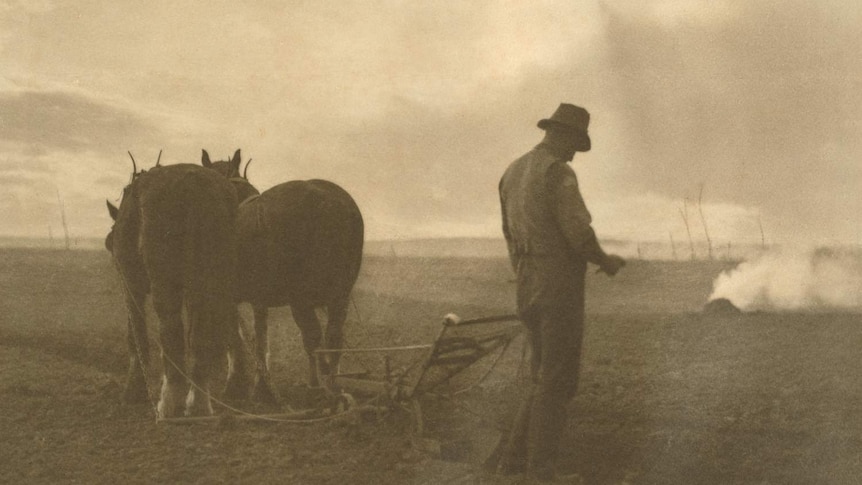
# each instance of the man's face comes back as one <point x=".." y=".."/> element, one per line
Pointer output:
<point x="565" y="140"/>
<point x="569" y="144"/>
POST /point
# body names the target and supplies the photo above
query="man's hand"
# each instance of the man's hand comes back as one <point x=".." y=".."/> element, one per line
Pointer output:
<point x="612" y="264"/>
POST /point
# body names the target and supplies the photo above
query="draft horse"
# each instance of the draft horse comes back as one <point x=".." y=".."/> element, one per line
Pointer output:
<point x="174" y="237"/>
<point x="300" y="244"/>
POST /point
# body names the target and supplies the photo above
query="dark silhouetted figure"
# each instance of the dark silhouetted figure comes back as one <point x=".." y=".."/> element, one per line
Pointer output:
<point x="550" y="241"/>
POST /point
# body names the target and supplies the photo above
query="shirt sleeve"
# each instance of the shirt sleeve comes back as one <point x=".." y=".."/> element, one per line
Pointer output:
<point x="573" y="218"/>
<point x="513" y="257"/>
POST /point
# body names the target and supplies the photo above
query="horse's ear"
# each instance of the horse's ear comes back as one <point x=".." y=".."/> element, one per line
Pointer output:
<point x="112" y="209"/>
<point x="205" y="159"/>
<point x="234" y="164"/>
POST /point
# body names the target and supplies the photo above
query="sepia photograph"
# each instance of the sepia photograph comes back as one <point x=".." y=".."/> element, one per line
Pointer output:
<point x="500" y="242"/>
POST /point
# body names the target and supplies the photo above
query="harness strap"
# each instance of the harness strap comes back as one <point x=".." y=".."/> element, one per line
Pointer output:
<point x="249" y="199"/>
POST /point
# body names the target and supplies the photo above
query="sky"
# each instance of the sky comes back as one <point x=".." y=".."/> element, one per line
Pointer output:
<point x="416" y="108"/>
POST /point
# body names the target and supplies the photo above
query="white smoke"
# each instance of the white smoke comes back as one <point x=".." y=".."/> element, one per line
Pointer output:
<point x="819" y="279"/>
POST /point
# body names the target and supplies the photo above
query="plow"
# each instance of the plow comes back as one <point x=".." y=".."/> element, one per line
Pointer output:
<point x="385" y="386"/>
<point x="458" y="346"/>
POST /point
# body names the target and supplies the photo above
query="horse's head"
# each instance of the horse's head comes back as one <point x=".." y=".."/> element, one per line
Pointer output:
<point x="230" y="169"/>
<point x="109" y="239"/>
<point x="113" y="210"/>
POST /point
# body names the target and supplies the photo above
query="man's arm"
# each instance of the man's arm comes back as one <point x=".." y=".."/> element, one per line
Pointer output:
<point x="574" y="219"/>
<point x="513" y="258"/>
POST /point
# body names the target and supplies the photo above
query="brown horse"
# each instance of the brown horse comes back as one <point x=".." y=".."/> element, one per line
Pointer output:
<point x="300" y="244"/>
<point x="174" y="237"/>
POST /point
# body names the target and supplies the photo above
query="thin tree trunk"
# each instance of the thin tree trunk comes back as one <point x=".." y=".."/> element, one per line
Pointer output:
<point x="703" y="220"/>
<point x="63" y="217"/>
<point x="684" y="213"/>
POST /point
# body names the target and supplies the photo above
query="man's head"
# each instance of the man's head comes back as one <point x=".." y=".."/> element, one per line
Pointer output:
<point x="567" y="129"/>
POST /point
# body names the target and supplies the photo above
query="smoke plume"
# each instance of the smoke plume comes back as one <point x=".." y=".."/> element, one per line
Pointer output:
<point x="819" y="279"/>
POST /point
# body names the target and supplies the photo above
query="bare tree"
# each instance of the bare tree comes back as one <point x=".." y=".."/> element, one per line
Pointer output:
<point x="63" y="218"/>
<point x="703" y="221"/>
<point x="684" y="213"/>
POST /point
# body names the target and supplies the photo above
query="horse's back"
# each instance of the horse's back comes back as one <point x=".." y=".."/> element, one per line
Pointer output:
<point x="300" y="240"/>
<point x="174" y="190"/>
<point x="187" y="234"/>
<point x="183" y="202"/>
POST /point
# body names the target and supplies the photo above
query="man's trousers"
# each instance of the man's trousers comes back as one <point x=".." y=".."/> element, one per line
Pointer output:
<point x="555" y="334"/>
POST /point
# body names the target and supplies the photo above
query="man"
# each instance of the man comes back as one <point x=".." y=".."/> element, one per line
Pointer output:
<point x="550" y="242"/>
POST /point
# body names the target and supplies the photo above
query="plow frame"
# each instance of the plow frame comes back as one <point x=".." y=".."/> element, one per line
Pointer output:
<point x="458" y="345"/>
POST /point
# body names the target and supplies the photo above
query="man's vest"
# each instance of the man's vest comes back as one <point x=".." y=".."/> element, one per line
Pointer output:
<point x="549" y="271"/>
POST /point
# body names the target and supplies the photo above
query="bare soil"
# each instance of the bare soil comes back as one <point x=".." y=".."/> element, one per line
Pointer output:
<point x="668" y="394"/>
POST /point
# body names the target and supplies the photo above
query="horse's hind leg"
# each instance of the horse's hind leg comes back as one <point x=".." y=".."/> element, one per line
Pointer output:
<point x="167" y="300"/>
<point x="237" y="380"/>
<point x="309" y="326"/>
<point x="337" y="314"/>
<point x="208" y="341"/>
<point x="139" y="348"/>
<point x="263" y="390"/>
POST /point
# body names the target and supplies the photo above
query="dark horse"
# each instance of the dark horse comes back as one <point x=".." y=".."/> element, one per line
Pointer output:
<point x="300" y="244"/>
<point x="174" y="236"/>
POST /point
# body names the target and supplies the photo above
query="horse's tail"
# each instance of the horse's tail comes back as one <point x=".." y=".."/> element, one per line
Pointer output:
<point x="209" y="275"/>
<point x="341" y="231"/>
<point x="356" y="240"/>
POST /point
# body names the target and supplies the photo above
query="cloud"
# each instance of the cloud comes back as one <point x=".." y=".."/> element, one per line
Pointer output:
<point x="72" y="144"/>
<point x="416" y="108"/>
<point x="14" y="165"/>
<point x="655" y="217"/>
<point x="70" y="121"/>
<point x="435" y="165"/>
<point x="736" y="101"/>
<point x="760" y="101"/>
<point x="14" y="13"/>
<point x="10" y="179"/>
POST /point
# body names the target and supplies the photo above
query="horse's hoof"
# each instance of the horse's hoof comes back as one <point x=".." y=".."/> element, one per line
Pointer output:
<point x="198" y="404"/>
<point x="166" y="410"/>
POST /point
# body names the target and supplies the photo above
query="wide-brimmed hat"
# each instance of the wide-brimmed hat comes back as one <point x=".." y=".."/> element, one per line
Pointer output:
<point x="574" y="117"/>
